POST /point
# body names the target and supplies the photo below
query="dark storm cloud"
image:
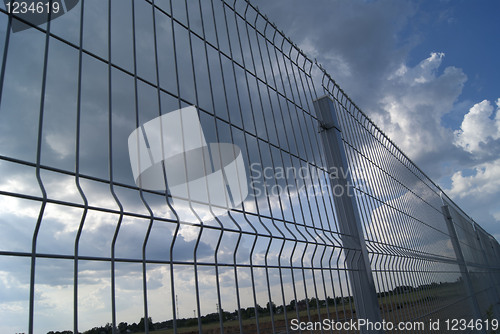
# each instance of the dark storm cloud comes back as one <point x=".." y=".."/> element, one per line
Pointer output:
<point x="356" y="41"/>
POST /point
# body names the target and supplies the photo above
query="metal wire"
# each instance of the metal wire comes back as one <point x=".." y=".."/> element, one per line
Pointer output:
<point x="279" y="255"/>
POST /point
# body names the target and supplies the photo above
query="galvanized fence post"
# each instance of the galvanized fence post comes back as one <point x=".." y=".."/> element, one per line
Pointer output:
<point x="494" y="298"/>
<point x="461" y="262"/>
<point x="349" y="221"/>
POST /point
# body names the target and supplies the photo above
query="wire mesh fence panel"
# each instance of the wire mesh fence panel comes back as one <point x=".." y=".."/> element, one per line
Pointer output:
<point x="164" y="168"/>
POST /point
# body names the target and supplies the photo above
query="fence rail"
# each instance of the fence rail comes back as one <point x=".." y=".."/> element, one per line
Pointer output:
<point x="182" y="166"/>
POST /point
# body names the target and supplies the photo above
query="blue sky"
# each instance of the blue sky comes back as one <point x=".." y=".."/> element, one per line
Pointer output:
<point x="464" y="31"/>
<point x="427" y="72"/>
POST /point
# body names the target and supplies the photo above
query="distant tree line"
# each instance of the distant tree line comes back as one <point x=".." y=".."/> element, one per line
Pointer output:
<point x="246" y="313"/>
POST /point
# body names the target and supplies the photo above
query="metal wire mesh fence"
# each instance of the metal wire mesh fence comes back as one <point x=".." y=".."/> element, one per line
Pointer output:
<point x="174" y="166"/>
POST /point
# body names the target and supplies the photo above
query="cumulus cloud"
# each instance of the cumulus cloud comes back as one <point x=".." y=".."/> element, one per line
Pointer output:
<point x="485" y="181"/>
<point x="479" y="133"/>
<point x="415" y="100"/>
<point x="476" y="185"/>
<point x="478" y="190"/>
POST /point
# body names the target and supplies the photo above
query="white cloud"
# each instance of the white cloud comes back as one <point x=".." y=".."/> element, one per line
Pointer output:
<point x="483" y="183"/>
<point x="478" y="193"/>
<point x="415" y="100"/>
<point x="479" y="129"/>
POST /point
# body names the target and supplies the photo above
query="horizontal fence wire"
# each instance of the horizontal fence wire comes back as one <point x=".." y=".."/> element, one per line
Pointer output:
<point x="90" y="244"/>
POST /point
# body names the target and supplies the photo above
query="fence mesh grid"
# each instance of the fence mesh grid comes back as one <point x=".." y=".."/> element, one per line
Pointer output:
<point x="85" y="247"/>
